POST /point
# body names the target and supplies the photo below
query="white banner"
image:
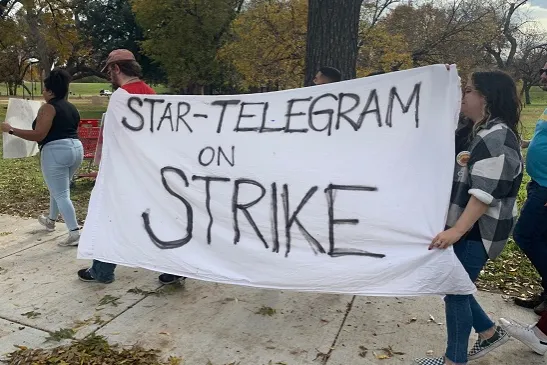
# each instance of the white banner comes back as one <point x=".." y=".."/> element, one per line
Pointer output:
<point x="20" y="114"/>
<point x="337" y="188"/>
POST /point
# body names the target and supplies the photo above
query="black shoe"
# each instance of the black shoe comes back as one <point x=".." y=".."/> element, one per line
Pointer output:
<point x="167" y="279"/>
<point x="529" y="303"/>
<point x="541" y="308"/>
<point x="85" y="275"/>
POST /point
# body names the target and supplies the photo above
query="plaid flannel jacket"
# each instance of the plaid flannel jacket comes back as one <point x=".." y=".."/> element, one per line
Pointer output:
<point x="492" y="172"/>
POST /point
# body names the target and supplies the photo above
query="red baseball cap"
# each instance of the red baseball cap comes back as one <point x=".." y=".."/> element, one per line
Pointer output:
<point x="119" y="55"/>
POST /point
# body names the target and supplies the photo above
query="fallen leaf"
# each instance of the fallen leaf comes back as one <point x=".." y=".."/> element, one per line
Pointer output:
<point x="32" y="314"/>
<point x="266" y="311"/>
<point x="109" y="299"/>
<point x="380" y="356"/>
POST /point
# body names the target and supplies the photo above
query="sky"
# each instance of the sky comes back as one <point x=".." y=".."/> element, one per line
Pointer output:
<point x="538" y="11"/>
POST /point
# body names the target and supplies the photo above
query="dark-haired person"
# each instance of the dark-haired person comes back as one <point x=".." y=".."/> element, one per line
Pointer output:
<point x="531" y="230"/>
<point x="124" y="72"/>
<point x="61" y="152"/>
<point x="327" y="75"/>
<point x="483" y="209"/>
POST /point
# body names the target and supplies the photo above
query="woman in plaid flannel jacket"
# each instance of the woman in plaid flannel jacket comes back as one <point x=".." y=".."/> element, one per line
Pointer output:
<point x="482" y="214"/>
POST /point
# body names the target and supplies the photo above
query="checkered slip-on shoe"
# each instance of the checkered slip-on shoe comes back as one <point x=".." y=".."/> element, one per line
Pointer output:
<point x="430" y="361"/>
<point x="483" y="347"/>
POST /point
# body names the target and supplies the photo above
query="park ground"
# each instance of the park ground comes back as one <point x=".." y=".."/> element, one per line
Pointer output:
<point x="118" y="314"/>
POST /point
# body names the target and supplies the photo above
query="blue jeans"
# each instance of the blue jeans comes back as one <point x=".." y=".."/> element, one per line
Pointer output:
<point x="531" y="229"/>
<point x="462" y="311"/>
<point x="102" y="271"/>
<point x="59" y="161"/>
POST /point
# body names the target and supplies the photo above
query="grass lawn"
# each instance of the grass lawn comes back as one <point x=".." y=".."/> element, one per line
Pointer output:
<point x="77" y="89"/>
<point x="23" y="193"/>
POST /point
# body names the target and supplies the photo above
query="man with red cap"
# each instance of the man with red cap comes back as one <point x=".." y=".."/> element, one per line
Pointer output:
<point x="124" y="72"/>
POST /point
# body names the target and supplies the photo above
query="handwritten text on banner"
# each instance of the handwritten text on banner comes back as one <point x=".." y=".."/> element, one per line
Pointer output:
<point x="336" y="188"/>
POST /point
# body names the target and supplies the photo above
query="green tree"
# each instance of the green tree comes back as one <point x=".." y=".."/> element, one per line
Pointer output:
<point x="443" y="33"/>
<point x="104" y="25"/>
<point x="184" y="37"/>
<point x="268" y="44"/>
<point x="13" y="54"/>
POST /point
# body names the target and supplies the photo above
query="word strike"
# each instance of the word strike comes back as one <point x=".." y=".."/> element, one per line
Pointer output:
<point x="289" y="214"/>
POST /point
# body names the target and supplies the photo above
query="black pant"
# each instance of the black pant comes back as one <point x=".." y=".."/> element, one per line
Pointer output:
<point x="531" y="229"/>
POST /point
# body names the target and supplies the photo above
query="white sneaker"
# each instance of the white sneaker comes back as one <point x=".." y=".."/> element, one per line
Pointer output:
<point x="72" y="240"/>
<point x="46" y="222"/>
<point x="524" y="334"/>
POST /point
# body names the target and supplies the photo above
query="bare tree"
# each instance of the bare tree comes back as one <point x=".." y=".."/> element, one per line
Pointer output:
<point x="529" y="58"/>
<point x="508" y="24"/>
<point x="373" y="10"/>
<point x="440" y="31"/>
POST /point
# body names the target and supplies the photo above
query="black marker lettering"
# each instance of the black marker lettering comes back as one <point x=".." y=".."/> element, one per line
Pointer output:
<point x="245" y="209"/>
<point x="291" y="219"/>
<point x="208" y="180"/>
<point x="130" y="106"/>
<point x="291" y="114"/>
<point x="415" y="95"/>
<point x="165" y="116"/>
<point x="342" y="114"/>
<point x="221" y="152"/>
<point x="180" y="117"/>
<point x="152" y="104"/>
<point x="372" y="97"/>
<point x="189" y="213"/>
<point x="241" y="116"/>
<point x="338" y="252"/>
<point x="224" y="104"/>
<point x="202" y="152"/>
<point x="330" y="112"/>
<point x="275" y="231"/>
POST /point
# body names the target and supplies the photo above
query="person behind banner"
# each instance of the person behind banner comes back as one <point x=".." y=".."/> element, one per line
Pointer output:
<point x="124" y="73"/>
<point x="482" y="213"/>
<point x="327" y="75"/>
<point x="531" y="229"/>
<point x="61" y="152"/>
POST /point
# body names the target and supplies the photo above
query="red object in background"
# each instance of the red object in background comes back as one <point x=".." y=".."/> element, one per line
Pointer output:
<point x="88" y="132"/>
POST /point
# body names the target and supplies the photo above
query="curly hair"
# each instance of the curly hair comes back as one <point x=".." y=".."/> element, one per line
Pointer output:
<point x="58" y="82"/>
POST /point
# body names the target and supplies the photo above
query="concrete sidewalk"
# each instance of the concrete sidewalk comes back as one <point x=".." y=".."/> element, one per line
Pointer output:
<point x="217" y="323"/>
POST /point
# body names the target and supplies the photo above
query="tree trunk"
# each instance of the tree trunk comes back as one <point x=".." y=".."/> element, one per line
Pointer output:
<point x="26" y="88"/>
<point x="333" y="35"/>
<point x="12" y="88"/>
<point x="527" y="98"/>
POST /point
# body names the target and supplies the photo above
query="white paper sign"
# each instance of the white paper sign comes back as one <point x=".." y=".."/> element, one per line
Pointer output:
<point x="20" y="114"/>
<point x="337" y="188"/>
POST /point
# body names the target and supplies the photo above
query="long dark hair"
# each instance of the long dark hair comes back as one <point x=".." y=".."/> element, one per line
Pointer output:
<point x="502" y="100"/>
